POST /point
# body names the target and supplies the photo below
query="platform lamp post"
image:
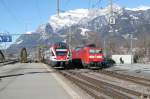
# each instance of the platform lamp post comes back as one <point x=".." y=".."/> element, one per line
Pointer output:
<point x="131" y="49"/>
<point x="105" y="46"/>
<point x="112" y="23"/>
<point x="69" y="34"/>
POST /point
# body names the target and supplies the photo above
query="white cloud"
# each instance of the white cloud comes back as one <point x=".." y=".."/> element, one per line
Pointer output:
<point x="139" y="8"/>
<point x="29" y="32"/>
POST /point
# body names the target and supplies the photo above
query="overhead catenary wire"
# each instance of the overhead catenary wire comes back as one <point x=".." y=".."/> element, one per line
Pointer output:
<point x="97" y="4"/>
<point x="89" y="4"/>
<point x="111" y="6"/>
<point x="12" y="15"/>
<point x="38" y="9"/>
<point x="67" y="3"/>
<point x="3" y="3"/>
<point x="58" y="7"/>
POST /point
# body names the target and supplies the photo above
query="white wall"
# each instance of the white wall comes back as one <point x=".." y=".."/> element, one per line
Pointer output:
<point x="126" y="58"/>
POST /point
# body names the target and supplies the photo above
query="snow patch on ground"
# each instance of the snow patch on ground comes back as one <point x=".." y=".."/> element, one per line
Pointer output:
<point x="84" y="31"/>
<point x="44" y="37"/>
<point x="19" y="42"/>
<point x="135" y="67"/>
<point x="134" y="17"/>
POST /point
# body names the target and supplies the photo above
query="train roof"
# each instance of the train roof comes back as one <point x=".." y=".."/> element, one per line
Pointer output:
<point x="60" y="45"/>
<point x="90" y="45"/>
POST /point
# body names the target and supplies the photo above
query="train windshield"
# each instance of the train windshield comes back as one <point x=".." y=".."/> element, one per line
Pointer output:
<point x="61" y="53"/>
<point x="95" y="51"/>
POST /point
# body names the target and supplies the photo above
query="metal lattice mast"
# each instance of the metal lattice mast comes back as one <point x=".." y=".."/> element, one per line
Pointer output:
<point x="111" y="6"/>
<point x="112" y="20"/>
<point x="58" y="9"/>
<point x="69" y="34"/>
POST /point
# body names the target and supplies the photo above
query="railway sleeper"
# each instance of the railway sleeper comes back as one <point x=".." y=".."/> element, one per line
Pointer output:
<point x="101" y="83"/>
<point x="103" y="89"/>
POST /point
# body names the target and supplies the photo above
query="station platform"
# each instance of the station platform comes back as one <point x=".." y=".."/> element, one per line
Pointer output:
<point x="32" y="81"/>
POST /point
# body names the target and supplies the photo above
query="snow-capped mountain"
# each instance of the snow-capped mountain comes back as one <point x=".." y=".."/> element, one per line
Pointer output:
<point x="82" y="16"/>
<point x="29" y="32"/>
<point x="140" y="8"/>
<point x="79" y="16"/>
<point x="88" y="25"/>
<point x="68" y="18"/>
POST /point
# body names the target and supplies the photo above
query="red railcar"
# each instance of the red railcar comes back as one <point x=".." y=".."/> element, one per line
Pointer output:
<point x="58" y="55"/>
<point x="88" y="57"/>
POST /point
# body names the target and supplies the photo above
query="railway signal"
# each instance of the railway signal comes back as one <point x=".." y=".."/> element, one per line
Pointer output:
<point x="112" y="20"/>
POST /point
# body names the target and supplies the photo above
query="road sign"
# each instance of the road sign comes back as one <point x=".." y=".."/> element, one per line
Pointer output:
<point x="5" y="38"/>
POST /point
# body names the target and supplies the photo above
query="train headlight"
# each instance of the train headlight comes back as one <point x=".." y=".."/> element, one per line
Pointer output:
<point x="91" y="56"/>
<point x="99" y="56"/>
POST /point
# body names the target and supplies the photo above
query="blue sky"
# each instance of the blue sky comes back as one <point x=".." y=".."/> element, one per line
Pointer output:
<point x="19" y="16"/>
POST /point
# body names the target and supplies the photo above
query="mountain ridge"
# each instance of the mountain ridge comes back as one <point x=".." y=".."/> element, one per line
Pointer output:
<point x="127" y="22"/>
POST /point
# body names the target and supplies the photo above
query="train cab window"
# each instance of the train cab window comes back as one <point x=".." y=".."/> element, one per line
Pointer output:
<point x="92" y="51"/>
<point x="98" y="51"/>
<point x="78" y="48"/>
<point x="61" y="53"/>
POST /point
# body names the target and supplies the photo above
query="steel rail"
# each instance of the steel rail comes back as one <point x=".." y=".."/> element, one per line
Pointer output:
<point x="137" y="80"/>
<point x="94" y="85"/>
<point x="128" y="91"/>
<point x="83" y="85"/>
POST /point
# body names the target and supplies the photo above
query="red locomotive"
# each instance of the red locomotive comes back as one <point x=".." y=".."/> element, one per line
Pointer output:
<point x="89" y="56"/>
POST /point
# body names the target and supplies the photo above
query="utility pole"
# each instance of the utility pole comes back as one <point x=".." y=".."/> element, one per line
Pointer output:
<point x="105" y="46"/>
<point x="131" y="37"/>
<point x="70" y="35"/>
<point x="58" y="9"/>
<point x="27" y="27"/>
<point x="112" y="20"/>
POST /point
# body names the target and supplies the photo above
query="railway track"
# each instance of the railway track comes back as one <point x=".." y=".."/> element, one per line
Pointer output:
<point x="99" y="89"/>
<point x="8" y="62"/>
<point x="137" y="80"/>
